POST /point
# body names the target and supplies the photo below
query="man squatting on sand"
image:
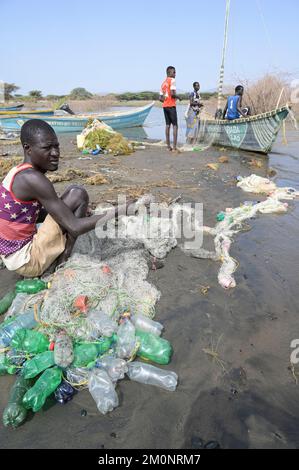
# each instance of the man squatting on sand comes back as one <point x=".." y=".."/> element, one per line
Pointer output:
<point x="27" y="197"/>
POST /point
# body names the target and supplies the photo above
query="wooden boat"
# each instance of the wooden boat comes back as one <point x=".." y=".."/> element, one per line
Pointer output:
<point x="40" y="112"/>
<point x="11" y="108"/>
<point x="255" y="133"/>
<point x="62" y="124"/>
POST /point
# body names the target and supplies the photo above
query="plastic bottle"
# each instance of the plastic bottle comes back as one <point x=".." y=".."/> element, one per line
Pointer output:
<point x="115" y="367"/>
<point x="101" y="324"/>
<point x="30" y="341"/>
<point x="3" y="366"/>
<point x="153" y="348"/>
<point x="31" y="286"/>
<point x="151" y="375"/>
<point x="126" y="340"/>
<point x="26" y="320"/>
<point x="47" y="383"/>
<point x="64" y="392"/>
<point x="77" y="376"/>
<point x="102" y="390"/>
<point x="16" y="357"/>
<point x="17" y="306"/>
<point x="6" y="301"/>
<point x="63" y="350"/>
<point x="146" y="324"/>
<point x="38" y="364"/>
<point x="220" y="217"/>
<point x="85" y="354"/>
<point x="15" y="413"/>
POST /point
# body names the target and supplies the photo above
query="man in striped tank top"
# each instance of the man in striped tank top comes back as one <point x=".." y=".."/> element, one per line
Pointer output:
<point x="28" y="197"/>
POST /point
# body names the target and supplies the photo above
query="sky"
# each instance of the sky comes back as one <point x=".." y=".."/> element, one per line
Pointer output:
<point x="125" y="45"/>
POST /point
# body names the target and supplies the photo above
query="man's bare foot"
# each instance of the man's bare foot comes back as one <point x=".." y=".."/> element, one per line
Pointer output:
<point x="170" y="149"/>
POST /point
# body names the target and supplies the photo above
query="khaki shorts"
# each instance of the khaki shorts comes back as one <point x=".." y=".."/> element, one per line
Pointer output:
<point x="47" y="244"/>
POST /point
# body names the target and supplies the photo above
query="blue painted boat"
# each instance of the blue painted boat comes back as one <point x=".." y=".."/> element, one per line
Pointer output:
<point x="12" y="108"/>
<point x="62" y="124"/>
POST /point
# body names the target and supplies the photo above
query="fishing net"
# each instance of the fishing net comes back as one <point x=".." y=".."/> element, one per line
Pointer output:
<point x="110" y="269"/>
<point x="113" y="288"/>
<point x="234" y="221"/>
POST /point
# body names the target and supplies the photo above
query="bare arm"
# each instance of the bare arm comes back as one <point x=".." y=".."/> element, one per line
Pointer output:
<point x="239" y="107"/>
<point x="34" y="185"/>
<point x="225" y="110"/>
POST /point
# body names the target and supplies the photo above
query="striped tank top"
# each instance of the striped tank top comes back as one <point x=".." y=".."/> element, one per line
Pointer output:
<point x="17" y="218"/>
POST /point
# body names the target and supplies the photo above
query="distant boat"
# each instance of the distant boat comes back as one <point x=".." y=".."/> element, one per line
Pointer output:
<point x="62" y="124"/>
<point x="18" y="112"/>
<point x="255" y="133"/>
<point x="11" y="108"/>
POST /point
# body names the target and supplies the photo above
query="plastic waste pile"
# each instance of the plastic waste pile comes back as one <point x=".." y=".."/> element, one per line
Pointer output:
<point x="232" y="221"/>
<point x="89" y="325"/>
<point x="98" y="137"/>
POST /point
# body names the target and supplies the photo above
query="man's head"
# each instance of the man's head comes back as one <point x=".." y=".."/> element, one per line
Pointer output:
<point x="171" y="71"/>
<point x="196" y="86"/>
<point x="40" y="145"/>
<point x="239" y="90"/>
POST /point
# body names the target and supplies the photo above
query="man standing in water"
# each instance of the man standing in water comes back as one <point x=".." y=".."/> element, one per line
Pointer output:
<point x="168" y="97"/>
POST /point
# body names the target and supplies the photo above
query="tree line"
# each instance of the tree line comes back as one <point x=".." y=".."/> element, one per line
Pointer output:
<point x="81" y="93"/>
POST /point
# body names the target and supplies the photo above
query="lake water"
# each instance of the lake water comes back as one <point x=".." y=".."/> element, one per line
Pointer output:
<point x="154" y="126"/>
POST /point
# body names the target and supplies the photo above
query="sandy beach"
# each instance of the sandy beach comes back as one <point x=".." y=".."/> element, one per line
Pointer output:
<point x="244" y="394"/>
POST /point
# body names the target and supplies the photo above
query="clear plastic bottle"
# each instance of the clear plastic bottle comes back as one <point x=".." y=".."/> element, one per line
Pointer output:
<point x="63" y="350"/>
<point x="101" y="324"/>
<point x="26" y="320"/>
<point x="151" y="375"/>
<point x="114" y="366"/>
<point x="102" y="390"/>
<point x="77" y="376"/>
<point x="17" y="306"/>
<point x="146" y="324"/>
<point x="126" y="340"/>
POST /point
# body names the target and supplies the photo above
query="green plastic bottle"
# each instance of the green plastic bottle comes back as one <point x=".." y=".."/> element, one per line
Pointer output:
<point x="6" y="301"/>
<point x="105" y="344"/>
<point x="86" y="353"/>
<point x="220" y="217"/>
<point x="30" y="341"/>
<point x="38" y="364"/>
<point x="154" y="348"/>
<point x="31" y="286"/>
<point x="47" y="383"/>
<point x="15" y="413"/>
<point x="3" y="364"/>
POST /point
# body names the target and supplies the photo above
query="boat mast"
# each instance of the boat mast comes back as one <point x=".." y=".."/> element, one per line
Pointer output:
<point x="221" y="78"/>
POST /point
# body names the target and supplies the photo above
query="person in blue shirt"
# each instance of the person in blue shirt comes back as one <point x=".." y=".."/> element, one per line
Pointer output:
<point x="233" y="108"/>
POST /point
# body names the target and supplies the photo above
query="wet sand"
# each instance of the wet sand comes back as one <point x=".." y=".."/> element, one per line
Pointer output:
<point x="245" y="395"/>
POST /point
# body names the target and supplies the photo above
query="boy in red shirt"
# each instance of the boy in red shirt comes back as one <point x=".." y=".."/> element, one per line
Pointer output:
<point x="168" y="97"/>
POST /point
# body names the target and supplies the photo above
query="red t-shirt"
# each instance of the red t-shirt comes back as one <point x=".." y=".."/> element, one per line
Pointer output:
<point x="167" y="86"/>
